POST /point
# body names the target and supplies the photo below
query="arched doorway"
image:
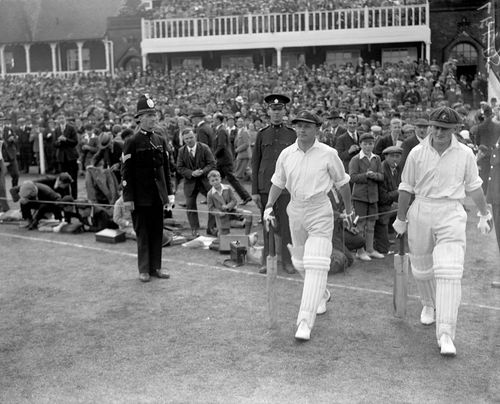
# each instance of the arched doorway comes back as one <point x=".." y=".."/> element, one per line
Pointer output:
<point x="467" y="58"/>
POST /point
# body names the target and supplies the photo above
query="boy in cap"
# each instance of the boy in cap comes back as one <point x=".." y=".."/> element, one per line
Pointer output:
<point x="439" y="172"/>
<point x="269" y="143"/>
<point x="147" y="188"/>
<point x="366" y="174"/>
<point x="309" y="169"/>
<point x="387" y="197"/>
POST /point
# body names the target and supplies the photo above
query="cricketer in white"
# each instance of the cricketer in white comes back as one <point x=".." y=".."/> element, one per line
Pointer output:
<point x="309" y="169"/>
<point x="440" y="171"/>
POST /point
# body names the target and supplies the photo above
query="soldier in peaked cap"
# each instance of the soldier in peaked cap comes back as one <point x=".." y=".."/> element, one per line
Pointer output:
<point x="147" y="188"/>
<point x="440" y="172"/>
<point x="269" y="143"/>
<point x="308" y="169"/>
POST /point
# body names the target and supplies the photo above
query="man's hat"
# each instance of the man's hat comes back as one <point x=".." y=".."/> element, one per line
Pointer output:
<point x="306" y="116"/>
<point x="145" y="105"/>
<point x="376" y="129"/>
<point x="487" y="111"/>
<point x="366" y="136"/>
<point x="444" y="117"/>
<point x="197" y="113"/>
<point x="277" y="100"/>
<point x="393" y="150"/>
<point x="27" y="191"/>
<point x="408" y="128"/>
<point x="105" y="139"/>
<point x="421" y="122"/>
<point x="65" y="178"/>
<point x="334" y="114"/>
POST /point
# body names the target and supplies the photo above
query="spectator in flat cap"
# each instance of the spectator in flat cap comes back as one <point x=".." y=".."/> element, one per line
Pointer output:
<point x="347" y="144"/>
<point x="388" y="197"/>
<point x="407" y="131"/>
<point x="376" y="131"/>
<point x="393" y="138"/>
<point x="365" y="170"/>
<point x="36" y="201"/>
<point x="203" y="130"/>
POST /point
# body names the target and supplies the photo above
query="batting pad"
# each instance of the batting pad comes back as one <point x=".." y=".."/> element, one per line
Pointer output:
<point x="448" y="296"/>
<point x="297" y="254"/>
<point x="317" y="254"/>
<point x="449" y="260"/>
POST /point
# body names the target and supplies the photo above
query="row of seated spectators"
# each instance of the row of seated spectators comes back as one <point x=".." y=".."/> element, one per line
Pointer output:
<point x="215" y="8"/>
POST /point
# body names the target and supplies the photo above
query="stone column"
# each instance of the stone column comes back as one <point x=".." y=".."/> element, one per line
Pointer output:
<point x="79" y="44"/>
<point x="27" y="47"/>
<point x="144" y="61"/>
<point x="106" y="52"/>
<point x="3" y="70"/>
<point x="53" y="46"/>
<point x="278" y="57"/>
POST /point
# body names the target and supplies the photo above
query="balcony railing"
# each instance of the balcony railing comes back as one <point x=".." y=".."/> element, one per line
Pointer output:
<point x="337" y="20"/>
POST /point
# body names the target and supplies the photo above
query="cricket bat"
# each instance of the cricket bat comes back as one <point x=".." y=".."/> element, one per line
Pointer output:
<point x="272" y="273"/>
<point x="400" y="287"/>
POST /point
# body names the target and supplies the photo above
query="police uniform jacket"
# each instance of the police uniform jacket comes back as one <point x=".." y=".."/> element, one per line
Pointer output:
<point x="493" y="193"/>
<point x="145" y="169"/>
<point x="269" y="143"/>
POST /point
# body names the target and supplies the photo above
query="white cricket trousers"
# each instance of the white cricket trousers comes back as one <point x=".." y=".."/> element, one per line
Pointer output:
<point x="436" y="238"/>
<point x="311" y="228"/>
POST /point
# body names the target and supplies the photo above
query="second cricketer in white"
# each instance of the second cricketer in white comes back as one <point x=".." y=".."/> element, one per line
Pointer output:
<point x="309" y="169"/>
<point x="440" y="171"/>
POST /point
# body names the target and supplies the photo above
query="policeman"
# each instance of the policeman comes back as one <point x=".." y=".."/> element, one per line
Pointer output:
<point x="147" y="188"/>
<point x="269" y="143"/>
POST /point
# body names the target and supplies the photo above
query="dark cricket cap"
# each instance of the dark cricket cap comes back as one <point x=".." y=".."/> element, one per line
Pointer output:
<point x="366" y="136"/>
<point x="306" y="116"/>
<point x="393" y="150"/>
<point x="444" y="117"/>
<point x="276" y="100"/>
<point x="197" y="112"/>
<point x="145" y="105"/>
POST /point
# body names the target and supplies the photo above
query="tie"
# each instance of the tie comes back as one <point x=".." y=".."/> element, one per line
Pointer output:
<point x="191" y="151"/>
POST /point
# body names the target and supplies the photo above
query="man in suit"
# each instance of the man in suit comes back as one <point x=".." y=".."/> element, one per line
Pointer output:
<point x="269" y="143"/>
<point x="9" y="151"/>
<point x="194" y="161"/>
<point x="224" y="158"/>
<point x="334" y="129"/>
<point x="409" y="143"/>
<point x="25" y="146"/>
<point x="147" y="188"/>
<point x="394" y="138"/>
<point x="347" y="144"/>
<point x="388" y="195"/>
<point x="204" y="132"/>
<point x="66" y="141"/>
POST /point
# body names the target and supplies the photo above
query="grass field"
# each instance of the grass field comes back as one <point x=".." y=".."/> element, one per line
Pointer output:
<point x="77" y="326"/>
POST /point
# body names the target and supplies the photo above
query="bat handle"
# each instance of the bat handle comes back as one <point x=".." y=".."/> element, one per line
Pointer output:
<point x="272" y="247"/>
<point x="402" y="244"/>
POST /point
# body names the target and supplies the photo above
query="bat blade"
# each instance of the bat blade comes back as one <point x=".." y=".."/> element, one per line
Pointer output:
<point x="400" y="286"/>
<point x="272" y="303"/>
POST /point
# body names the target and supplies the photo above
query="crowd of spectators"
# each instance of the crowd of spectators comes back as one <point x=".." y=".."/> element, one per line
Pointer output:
<point x="102" y="109"/>
<point x="215" y="8"/>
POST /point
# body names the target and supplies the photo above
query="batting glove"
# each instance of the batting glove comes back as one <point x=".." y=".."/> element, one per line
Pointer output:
<point x="400" y="226"/>
<point x="171" y="199"/>
<point x="485" y="223"/>
<point x="269" y="218"/>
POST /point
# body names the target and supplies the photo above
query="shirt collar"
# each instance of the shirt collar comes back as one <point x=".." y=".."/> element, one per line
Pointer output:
<point x="297" y="148"/>
<point x="223" y="187"/>
<point x="453" y="145"/>
<point x="363" y="155"/>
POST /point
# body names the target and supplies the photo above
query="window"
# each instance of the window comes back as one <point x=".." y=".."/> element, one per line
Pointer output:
<point x="340" y="58"/>
<point x="72" y="59"/>
<point x="465" y="53"/>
